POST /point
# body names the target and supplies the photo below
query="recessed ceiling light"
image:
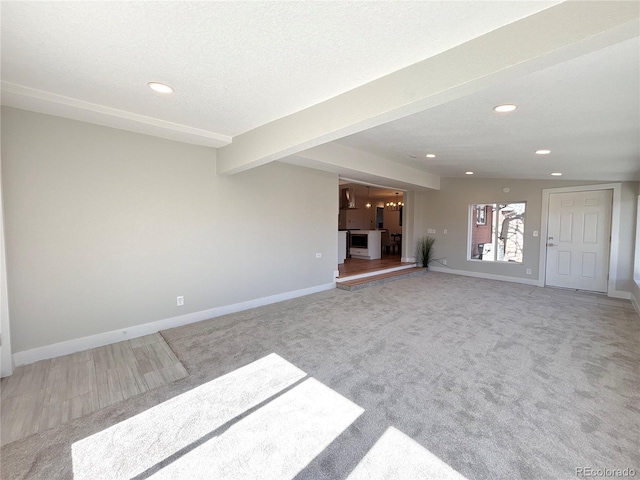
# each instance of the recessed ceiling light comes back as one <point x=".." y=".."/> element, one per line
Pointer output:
<point x="505" y="108"/>
<point x="160" y="87"/>
<point x="468" y="173"/>
<point x="556" y="174"/>
<point x="543" y="152"/>
<point x="430" y="155"/>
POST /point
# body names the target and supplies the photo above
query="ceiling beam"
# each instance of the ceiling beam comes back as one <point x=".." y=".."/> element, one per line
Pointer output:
<point x="365" y="167"/>
<point x="549" y="37"/>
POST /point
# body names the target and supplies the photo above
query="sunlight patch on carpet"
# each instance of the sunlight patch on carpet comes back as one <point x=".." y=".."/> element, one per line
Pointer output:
<point x="398" y="456"/>
<point x="275" y="442"/>
<point x="135" y="445"/>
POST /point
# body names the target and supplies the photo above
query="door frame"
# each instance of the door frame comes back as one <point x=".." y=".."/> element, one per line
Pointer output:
<point x="407" y="199"/>
<point x="615" y="232"/>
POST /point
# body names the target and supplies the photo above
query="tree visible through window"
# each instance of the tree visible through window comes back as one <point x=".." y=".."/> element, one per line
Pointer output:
<point x="496" y="232"/>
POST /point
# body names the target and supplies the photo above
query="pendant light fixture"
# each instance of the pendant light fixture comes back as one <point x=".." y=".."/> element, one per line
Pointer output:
<point x="368" y="204"/>
<point x="394" y="205"/>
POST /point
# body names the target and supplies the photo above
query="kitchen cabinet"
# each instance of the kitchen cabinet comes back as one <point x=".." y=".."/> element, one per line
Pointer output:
<point x="366" y="244"/>
<point x="342" y="246"/>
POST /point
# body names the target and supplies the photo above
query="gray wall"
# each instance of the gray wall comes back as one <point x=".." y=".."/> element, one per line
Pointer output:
<point x="448" y="209"/>
<point x="104" y="228"/>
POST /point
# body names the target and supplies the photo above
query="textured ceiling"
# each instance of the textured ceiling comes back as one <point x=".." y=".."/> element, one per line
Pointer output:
<point x="234" y="65"/>
<point x="237" y="66"/>
<point x="586" y="111"/>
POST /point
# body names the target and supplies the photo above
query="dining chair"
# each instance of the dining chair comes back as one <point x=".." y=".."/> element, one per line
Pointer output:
<point x="396" y="242"/>
<point x="385" y="241"/>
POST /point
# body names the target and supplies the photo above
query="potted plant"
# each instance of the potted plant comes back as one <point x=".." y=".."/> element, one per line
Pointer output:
<point x="424" y="250"/>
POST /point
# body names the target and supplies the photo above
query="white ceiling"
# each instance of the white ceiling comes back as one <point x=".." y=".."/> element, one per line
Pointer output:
<point x="234" y="65"/>
<point x="586" y="111"/>
<point x="237" y="66"/>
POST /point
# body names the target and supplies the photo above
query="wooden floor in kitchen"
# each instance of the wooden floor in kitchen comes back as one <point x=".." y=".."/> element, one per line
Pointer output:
<point x="357" y="266"/>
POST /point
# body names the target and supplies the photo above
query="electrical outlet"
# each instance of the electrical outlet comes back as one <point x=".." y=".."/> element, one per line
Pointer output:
<point x="444" y="261"/>
<point x="318" y="255"/>
<point x="180" y="301"/>
<point x="535" y="233"/>
<point x="528" y="271"/>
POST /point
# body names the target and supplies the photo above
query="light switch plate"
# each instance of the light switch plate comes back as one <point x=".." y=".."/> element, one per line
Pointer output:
<point x="535" y="233"/>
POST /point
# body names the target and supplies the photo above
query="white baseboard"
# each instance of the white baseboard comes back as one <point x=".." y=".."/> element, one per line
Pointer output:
<point x="620" y="294"/>
<point x="635" y="304"/>
<point x="635" y="301"/>
<point x="84" y="343"/>
<point x="487" y="276"/>
<point x="614" y="294"/>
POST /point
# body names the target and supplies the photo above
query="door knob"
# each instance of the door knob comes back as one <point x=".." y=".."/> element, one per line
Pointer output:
<point x="551" y="245"/>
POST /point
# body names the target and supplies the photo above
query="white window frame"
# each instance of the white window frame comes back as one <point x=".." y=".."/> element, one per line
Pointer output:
<point x="471" y="221"/>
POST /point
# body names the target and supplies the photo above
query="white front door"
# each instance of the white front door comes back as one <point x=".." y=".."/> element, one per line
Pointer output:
<point x="578" y="237"/>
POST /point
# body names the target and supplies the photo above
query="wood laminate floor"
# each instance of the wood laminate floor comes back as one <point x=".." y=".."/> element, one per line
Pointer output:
<point x="51" y="392"/>
<point x="356" y="266"/>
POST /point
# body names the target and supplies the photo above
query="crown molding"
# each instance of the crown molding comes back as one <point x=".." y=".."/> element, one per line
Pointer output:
<point x="26" y="98"/>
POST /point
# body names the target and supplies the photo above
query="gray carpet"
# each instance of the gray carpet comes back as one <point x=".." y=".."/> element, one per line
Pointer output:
<point x="496" y="380"/>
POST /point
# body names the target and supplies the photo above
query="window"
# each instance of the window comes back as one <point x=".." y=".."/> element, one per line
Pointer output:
<point x="496" y="232"/>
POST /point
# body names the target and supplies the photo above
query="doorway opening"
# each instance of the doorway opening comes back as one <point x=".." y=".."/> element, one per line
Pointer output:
<point x="379" y="217"/>
<point x="369" y="229"/>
